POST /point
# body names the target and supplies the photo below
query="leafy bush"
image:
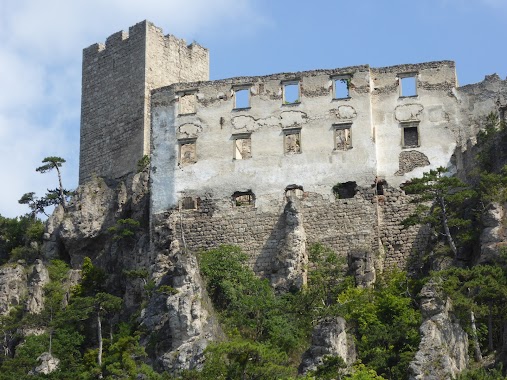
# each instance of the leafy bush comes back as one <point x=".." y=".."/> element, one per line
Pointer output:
<point x="386" y="323"/>
<point x="124" y="228"/>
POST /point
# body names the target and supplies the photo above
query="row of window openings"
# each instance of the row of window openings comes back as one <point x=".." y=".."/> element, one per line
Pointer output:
<point x="239" y="199"/>
<point x="242" y="198"/>
<point x="292" y="94"/>
<point x="243" y="144"/>
<point x="247" y="198"/>
<point x="292" y="142"/>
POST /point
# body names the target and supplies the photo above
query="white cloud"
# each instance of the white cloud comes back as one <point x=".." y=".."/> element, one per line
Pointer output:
<point x="40" y="72"/>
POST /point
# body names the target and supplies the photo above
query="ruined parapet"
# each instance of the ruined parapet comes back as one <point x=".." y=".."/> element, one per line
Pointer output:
<point x="117" y="81"/>
<point x="476" y="102"/>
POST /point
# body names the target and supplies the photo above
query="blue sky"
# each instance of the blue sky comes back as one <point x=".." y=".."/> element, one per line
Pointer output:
<point x="41" y="44"/>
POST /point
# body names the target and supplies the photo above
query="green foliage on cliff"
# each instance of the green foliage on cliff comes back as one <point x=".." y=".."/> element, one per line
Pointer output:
<point x="268" y="332"/>
<point x="124" y="229"/>
<point x="443" y="202"/>
<point x="69" y="333"/>
<point x="20" y="238"/>
<point x="386" y="321"/>
<point x="481" y="289"/>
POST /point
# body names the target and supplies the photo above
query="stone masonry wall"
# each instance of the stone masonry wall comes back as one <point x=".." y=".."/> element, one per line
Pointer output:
<point x="402" y="246"/>
<point x="112" y="105"/>
<point x="343" y="224"/>
<point x="116" y="90"/>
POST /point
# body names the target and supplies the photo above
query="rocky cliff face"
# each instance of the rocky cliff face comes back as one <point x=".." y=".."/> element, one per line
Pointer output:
<point x="493" y="235"/>
<point x="329" y="338"/>
<point x="13" y="287"/>
<point x="443" y="351"/>
<point x="181" y="318"/>
<point x="178" y="316"/>
<point x="292" y="261"/>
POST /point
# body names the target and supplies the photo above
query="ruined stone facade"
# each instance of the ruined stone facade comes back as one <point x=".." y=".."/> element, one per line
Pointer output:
<point x="227" y="155"/>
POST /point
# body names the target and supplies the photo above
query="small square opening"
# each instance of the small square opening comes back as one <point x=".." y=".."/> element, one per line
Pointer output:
<point x="345" y="190"/>
<point x="242" y="147"/>
<point x="292" y="141"/>
<point x="188" y="203"/>
<point x="341" y="88"/>
<point x="408" y="86"/>
<point x="291" y="93"/>
<point x="410" y="135"/>
<point x="241" y="98"/>
<point x="188" y="152"/>
<point x="243" y="198"/>
<point x="188" y="103"/>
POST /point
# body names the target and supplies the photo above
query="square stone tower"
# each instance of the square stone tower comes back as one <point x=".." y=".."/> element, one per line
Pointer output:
<point x="116" y="89"/>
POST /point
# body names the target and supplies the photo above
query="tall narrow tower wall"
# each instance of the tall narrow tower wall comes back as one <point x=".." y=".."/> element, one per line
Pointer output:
<point x="116" y="85"/>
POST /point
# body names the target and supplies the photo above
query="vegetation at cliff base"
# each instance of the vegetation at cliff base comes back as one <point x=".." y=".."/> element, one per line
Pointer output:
<point x="75" y="333"/>
<point x="266" y="333"/>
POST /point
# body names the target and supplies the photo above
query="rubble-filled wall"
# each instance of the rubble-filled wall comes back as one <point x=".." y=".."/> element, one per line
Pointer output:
<point x="367" y="222"/>
<point x="117" y="81"/>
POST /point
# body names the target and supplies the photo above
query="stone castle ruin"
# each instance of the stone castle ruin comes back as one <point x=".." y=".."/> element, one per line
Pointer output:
<point x="274" y="163"/>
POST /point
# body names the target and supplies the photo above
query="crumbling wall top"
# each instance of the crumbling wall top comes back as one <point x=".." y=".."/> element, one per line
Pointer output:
<point x="412" y="67"/>
<point x="138" y="31"/>
<point x="243" y="80"/>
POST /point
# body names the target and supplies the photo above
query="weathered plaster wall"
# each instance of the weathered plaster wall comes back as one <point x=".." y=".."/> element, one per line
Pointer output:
<point x="117" y="81"/>
<point x="374" y="111"/>
<point x="433" y="110"/>
<point x="269" y="170"/>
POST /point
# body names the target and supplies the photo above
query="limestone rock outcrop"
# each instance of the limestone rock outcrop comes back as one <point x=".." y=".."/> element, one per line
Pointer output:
<point x="362" y="265"/>
<point x="38" y="279"/>
<point x="13" y="287"/>
<point x="292" y="260"/>
<point x="493" y="234"/>
<point x="182" y="321"/>
<point x="329" y="338"/>
<point x="443" y="351"/>
<point x="48" y="364"/>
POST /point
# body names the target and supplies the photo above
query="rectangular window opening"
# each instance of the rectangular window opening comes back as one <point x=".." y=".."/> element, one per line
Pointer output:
<point x="291" y="93"/>
<point x="188" y="152"/>
<point x="188" y="203"/>
<point x="410" y="135"/>
<point x="343" y="137"/>
<point x="241" y="199"/>
<point x="188" y="104"/>
<point x="241" y="98"/>
<point x="292" y="141"/>
<point x="408" y="85"/>
<point x="341" y="88"/>
<point x="242" y="147"/>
